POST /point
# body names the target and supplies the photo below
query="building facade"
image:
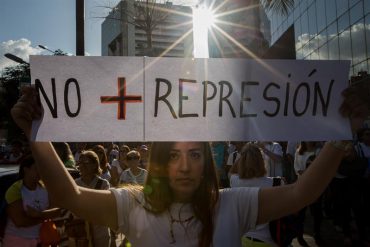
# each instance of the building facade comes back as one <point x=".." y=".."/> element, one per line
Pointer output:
<point x="325" y="30"/>
<point x="172" y="36"/>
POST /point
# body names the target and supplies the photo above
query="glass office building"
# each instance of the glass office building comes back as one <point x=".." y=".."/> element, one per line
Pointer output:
<point x="327" y="29"/>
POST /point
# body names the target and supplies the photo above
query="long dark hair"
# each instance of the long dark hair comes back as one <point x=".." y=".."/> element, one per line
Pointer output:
<point x="159" y="196"/>
<point x="251" y="164"/>
<point x="27" y="161"/>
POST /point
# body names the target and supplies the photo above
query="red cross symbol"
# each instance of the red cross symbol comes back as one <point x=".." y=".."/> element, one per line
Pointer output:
<point x="121" y="98"/>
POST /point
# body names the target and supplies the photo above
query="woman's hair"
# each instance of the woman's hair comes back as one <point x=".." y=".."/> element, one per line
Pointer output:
<point x="27" y="161"/>
<point x="124" y="148"/>
<point x="103" y="160"/>
<point x="63" y="150"/>
<point x="251" y="163"/>
<point x="158" y="194"/>
<point x="93" y="160"/>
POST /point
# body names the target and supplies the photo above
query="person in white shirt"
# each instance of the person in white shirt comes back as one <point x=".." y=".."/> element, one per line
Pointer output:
<point x="134" y="174"/>
<point x="180" y="203"/>
<point x="273" y="156"/>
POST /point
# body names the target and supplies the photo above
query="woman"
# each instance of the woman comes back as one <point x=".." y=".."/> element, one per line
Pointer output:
<point x="250" y="171"/>
<point x="65" y="154"/>
<point x="304" y="156"/>
<point x="90" y="178"/>
<point x="134" y="174"/>
<point x="27" y="207"/>
<point x="103" y="161"/>
<point x="180" y="202"/>
<point x="119" y="165"/>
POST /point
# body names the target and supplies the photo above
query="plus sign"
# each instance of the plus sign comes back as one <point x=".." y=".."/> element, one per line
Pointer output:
<point x="121" y="99"/>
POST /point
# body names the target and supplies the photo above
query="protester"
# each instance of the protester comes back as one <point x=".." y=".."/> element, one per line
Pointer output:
<point x="273" y="157"/>
<point x="65" y="154"/>
<point x="27" y="207"/>
<point x="180" y="202"/>
<point x="80" y="146"/>
<point x="90" y="178"/>
<point x="250" y="171"/>
<point x="15" y="154"/>
<point x="119" y="165"/>
<point x="144" y="156"/>
<point x="304" y="156"/>
<point x="134" y="174"/>
<point x="103" y="161"/>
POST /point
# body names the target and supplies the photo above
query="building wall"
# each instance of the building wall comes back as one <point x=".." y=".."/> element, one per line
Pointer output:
<point x="328" y="29"/>
<point x="120" y="38"/>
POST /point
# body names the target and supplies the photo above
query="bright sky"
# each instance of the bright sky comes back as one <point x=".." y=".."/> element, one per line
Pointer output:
<point x="24" y="24"/>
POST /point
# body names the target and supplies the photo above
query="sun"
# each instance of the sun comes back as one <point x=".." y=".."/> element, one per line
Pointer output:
<point x="204" y="17"/>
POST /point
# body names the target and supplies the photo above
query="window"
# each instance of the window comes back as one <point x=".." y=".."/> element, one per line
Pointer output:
<point x="356" y="13"/>
<point x="297" y="34"/>
<point x="323" y="52"/>
<point x="312" y="27"/>
<point x="358" y="42"/>
<point x="367" y="32"/>
<point x="320" y="15"/>
<point x="342" y="6"/>
<point x="343" y="22"/>
<point x="345" y="45"/>
<point x="360" y="67"/>
<point x="333" y="49"/>
<point x="322" y="38"/>
<point x="331" y="11"/>
<point x="332" y="30"/>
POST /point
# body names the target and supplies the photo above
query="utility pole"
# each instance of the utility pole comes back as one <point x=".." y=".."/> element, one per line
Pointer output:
<point x="80" y="27"/>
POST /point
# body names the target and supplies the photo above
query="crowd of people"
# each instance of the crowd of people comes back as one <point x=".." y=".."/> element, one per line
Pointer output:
<point x="189" y="193"/>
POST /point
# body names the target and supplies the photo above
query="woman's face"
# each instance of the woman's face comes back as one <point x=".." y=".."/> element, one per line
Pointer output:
<point x="133" y="160"/>
<point x="185" y="169"/>
<point x="86" y="167"/>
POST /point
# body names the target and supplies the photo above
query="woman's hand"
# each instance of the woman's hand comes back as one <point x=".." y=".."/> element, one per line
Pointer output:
<point x="26" y="109"/>
<point x="356" y="103"/>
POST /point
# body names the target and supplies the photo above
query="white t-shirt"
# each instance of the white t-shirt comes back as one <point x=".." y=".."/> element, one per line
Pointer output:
<point x="300" y="160"/>
<point x="230" y="159"/>
<point x="262" y="232"/>
<point x="37" y="199"/>
<point x="127" y="177"/>
<point x="274" y="168"/>
<point x="236" y="214"/>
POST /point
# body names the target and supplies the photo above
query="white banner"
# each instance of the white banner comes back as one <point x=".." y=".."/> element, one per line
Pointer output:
<point x="182" y="99"/>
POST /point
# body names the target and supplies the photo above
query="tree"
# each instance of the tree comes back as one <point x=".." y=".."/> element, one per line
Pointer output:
<point x="10" y="85"/>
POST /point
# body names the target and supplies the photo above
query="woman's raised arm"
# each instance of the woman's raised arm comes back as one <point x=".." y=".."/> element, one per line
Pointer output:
<point x="282" y="200"/>
<point x="95" y="206"/>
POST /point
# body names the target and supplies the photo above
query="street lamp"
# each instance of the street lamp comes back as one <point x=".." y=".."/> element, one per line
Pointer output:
<point x="15" y="58"/>
<point x="45" y="48"/>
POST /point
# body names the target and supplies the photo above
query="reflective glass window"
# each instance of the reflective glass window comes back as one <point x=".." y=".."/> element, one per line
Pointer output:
<point x="353" y="2"/>
<point x="342" y="6"/>
<point x="312" y="27"/>
<point x="331" y="11"/>
<point x="290" y="19"/>
<point x="305" y="50"/>
<point x="356" y="12"/>
<point x="313" y="45"/>
<point x="367" y="32"/>
<point x="345" y="45"/>
<point x="323" y="52"/>
<point x="322" y="38"/>
<point x="299" y="54"/>
<point x="332" y="30"/>
<point x="303" y="5"/>
<point x="343" y="22"/>
<point x="296" y="12"/>
<point x="333" y="49"/>
<point x="366" y="6"/>
<point x="320" y="15"/>
<point x="360" y="67"/>
<point x="297" y="34"/>
<point x="304" y="23"/>
<point x="358" y="42"/>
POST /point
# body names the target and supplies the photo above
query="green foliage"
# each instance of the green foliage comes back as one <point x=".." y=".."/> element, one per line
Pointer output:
<point x="10" y="84"/>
